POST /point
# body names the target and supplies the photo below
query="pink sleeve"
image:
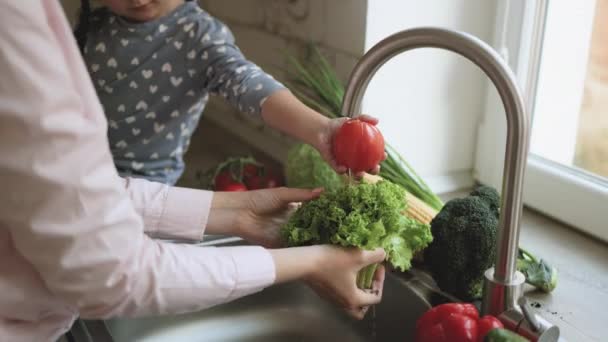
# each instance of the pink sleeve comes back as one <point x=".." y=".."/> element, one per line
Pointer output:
<point x="64" y="206"/>
<point x="170" y="212"/>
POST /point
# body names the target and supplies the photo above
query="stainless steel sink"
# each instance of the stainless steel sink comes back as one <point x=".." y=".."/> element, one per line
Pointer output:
<point x="290" y="312"/>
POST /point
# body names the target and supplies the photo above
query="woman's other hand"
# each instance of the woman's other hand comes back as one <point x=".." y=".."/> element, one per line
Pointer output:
<point x="332" y="272"/>
<point x="260" y="220"/>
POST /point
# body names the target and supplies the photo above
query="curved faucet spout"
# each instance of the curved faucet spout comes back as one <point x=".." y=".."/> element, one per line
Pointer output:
<point x="498" y="71"/>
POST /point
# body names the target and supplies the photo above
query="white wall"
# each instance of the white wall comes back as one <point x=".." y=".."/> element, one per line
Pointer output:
<point x="430" y="101"/>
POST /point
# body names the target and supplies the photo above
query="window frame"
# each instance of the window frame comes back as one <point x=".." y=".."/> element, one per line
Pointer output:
<point x="572" y="196"/>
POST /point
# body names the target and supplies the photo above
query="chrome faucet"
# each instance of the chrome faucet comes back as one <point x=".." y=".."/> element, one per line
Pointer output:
<point x="503" y="283"/>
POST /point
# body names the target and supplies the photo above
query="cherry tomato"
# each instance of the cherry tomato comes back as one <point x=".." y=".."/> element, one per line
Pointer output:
<point x="222" y="180"/>
<point x="250" y="170"/>
<point x="256" y="182"/>
<point x="273" y="180"/>
<point x="233" y="187"/>
<point x="358" y="145"/>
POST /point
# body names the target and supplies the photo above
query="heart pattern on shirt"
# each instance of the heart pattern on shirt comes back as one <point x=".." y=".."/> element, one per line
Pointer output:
<point x="121" y="144"/>
<point x="178" y="45"/>
<point x="158" y="127"/>
<point x="148" y="38"/>
<point x="188" y="27"/>
<point x="124" y="42"/>
<point x="174" y="114"/>
<point x="135" y="131"/>
<point x="191" y="54"/>
<point x="145" y="141"/>
<point x="94" y="67"/>
<point x="147" y="73"/>
<point x="166" y="98"/>
<point x="259" y="87"/>
<point x="191" y="72"/>
<point x="170" y="136"/>
<point x="176" y="81"/>
<point x="151" y="115"/>
<point x="190" y="93"/>
<point x="108" y="89"/>
<point x="120" y="76"/>
<point x="101" y="47"/>
<point x="113" y="32"/>
<point x="154" y="155"/>
<point x="221" y="49"/>
<point x="113" y="124"/>
<point x="184" y="129"/>
<point x="153" y="89"/>
<point x="182" y="20"/>
<point x="263" y="100"/>
<point x="130" y="155"/>
<point x="241" y="69"/>
<point x="141" y="105"/>
<point x="162" y="28"/>
<point x="101" y="82"/>
<point x="206" y="38"/>
<point x="121" y="108"/>
<point x="133" y="85"/>
<point x="137" y="166"/>
<point x="205" y="56"/>
<point x="130" y="119"/>
<point x="135" y="61"/>
<point x="166" y="67"/>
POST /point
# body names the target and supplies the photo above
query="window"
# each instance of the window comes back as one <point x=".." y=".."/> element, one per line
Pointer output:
<point x="559" y="52"/>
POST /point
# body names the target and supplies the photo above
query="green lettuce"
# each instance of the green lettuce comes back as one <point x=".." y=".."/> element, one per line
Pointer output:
<point x="306" y="169"/>
<point x="363" y="215"/>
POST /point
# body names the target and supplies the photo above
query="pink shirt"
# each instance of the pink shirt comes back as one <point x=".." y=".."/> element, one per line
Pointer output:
<point x="72" y="233"/>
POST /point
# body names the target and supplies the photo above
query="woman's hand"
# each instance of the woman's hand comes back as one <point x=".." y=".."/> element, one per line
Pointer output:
<point x="260" y="220"/>
<point x="332" y="272"/>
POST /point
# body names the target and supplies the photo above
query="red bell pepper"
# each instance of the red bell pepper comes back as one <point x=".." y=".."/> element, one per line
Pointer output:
<point x="454" y="322"/>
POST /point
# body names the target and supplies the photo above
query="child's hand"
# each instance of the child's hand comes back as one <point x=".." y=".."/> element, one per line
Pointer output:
<point x="324" y="145"/>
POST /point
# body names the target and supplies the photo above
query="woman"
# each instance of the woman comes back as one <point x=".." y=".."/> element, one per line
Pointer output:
<point x="72" y="232"/>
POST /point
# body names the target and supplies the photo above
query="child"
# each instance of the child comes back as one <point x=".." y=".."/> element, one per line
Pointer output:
<point x="154" y="64"/>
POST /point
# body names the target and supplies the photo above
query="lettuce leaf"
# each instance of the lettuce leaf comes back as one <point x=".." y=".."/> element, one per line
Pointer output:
<point x="363" y="215"/>
<point x="306" y="169"/>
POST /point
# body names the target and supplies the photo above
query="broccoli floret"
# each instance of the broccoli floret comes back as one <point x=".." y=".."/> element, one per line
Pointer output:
<point x="464" y="245"/>
<point x="490" y="196"/>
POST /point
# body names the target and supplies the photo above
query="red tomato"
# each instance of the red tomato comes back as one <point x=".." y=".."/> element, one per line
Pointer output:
<point x="273" y="180"/>
<point x="250" y="170"/>
<point x="234" y="187"/>
<point x="358" y="145"/>
<point x="256" y="182"/>
<point x="222" y="180"/>
<point x="485" y="324"/>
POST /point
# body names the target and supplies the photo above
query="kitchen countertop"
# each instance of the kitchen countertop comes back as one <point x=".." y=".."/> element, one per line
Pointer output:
<point x="579" y="303"/>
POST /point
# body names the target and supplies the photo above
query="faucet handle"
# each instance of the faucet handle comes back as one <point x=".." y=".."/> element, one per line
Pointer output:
<point x="523" y="320"/>
<point x="528" y="314"/>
